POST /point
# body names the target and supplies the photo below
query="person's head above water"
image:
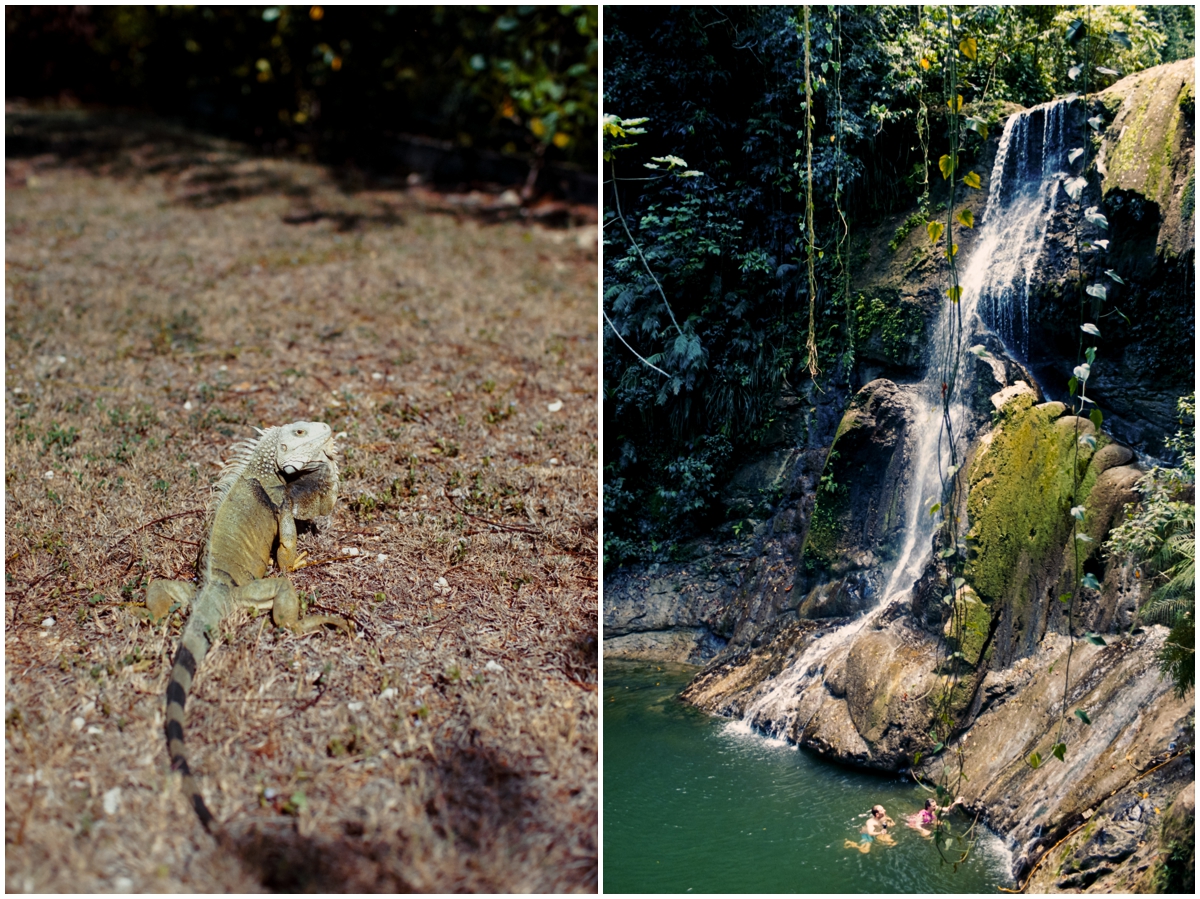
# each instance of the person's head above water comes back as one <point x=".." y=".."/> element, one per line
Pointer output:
<point x="877" y="811"/>
<point x="929" y="803"/>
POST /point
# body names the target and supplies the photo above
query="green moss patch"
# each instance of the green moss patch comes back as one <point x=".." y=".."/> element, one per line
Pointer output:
<point x="967" y="628"/>
<point x="888" y="326"/>
<point x="1021" y="492"/>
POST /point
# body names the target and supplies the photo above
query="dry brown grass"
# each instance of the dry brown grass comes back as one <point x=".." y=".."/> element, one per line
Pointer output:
<point x="152" y="318"/>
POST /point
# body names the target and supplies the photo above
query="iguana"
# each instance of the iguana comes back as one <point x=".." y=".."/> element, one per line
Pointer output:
<point x="286" y="473"/>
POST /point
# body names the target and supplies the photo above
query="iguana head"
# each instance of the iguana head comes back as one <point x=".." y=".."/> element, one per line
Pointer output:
<point x="304" y="445"/>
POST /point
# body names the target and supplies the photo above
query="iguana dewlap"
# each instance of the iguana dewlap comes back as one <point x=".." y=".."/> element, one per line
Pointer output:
<point x="286" y="474"/>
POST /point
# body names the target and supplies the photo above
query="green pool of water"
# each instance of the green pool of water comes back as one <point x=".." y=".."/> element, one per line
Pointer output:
<point x="693" y="805"/>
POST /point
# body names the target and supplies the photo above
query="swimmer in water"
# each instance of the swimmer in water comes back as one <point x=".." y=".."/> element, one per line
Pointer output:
<point x="875" y="829"/>
<point x="928" y="816"/>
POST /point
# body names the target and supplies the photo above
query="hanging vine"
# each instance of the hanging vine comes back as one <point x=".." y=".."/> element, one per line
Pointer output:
<point x="838" y="151"/>
<point x="951" y="500"/>
<point x="810" y="234"/>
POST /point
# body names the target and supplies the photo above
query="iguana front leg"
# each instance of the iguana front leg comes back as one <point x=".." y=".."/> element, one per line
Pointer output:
<point x="287" y="557"/>
<point x="278" y="595"/>
<point x="163" y="596"/>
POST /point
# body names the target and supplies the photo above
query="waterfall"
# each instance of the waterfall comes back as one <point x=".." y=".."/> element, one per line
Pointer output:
<point x="1030" y="166"/>
<point x="1022" y="197"/>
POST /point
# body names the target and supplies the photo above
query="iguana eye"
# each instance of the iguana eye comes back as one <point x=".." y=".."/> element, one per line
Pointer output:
<point x="299" y="432"/>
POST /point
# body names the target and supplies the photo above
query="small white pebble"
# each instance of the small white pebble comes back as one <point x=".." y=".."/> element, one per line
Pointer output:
<point x="270" y="793"/>
<point x="376" y="376"/>
<point x="123" y="885"/>
<point x="553" y="460"/>
<point x="222" y="368"/>
<point x="354" y="706"/>
<point x="61" y="359"/>
<point x="335" y="403"/>
<point x="382" y="557"/>
<point x="112" y="801"/>
<point x="350" y="550"/>
<point x="493" y="665"/>
<point x="340" y="434"/>
<point x="77" y="723"/>
<point x="47" y="622"/>
<point x="442" y="582"/>
<point x="49" y="476"/>
<point x="555" y="406"/>
<point x="388" y="693"/>
<point x="187" y="407"/>
<point x="93" y="729"/>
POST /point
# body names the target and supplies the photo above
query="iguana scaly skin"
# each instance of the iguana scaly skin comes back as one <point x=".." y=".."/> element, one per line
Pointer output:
<point x="286" y="473"/>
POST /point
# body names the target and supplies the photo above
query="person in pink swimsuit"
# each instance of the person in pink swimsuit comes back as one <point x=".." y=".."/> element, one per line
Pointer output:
<point x="927" y="817"/>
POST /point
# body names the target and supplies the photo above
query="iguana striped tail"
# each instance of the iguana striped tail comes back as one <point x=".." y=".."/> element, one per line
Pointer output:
<point x="193" y="647"/>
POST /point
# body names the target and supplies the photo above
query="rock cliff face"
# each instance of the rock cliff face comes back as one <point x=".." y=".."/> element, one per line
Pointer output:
<point x="785" y="602"/>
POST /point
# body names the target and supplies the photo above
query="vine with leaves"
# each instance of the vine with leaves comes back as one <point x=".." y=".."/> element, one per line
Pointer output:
<point x="809" y="232"/>
<point x="948" y="365"/>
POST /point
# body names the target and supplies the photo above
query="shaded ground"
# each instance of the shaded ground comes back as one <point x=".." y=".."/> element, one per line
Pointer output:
<point x="160" y="300"/>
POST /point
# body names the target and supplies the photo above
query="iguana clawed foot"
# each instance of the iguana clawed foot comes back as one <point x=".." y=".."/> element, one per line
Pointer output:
<point x="278" y="595"/>
<point x="164" y="597"/>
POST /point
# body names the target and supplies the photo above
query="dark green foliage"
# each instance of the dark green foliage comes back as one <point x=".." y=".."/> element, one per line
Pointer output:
<point x="341" y="81"/>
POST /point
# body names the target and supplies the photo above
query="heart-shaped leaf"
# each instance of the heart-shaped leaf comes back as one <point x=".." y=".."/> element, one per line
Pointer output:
<point x="1074" y="188"/>
<point x="1089" y="328"/>
<point x="1102" y="244"/>
<point x="1099" y="291"/>
<point x="1114" y="276"/>
<point x="1083" y="716"/>
<point x="1096" y="217"/>
<point x="1095" y="121"/>
<point x="1105" y="70"/>
<point x="1074" y="72"/>
<point x="1060" y="751"/>
<point x="969" y="47"/>
<point x="935" y="230"/>
<point x="1074" y="154"/>
<point x="1035" y="761"/>
<point x="979" y="127"/>
<point x="966" y="218"/>
<point x="955" y="294"/>
<point x="971" y="179"/>
<point x="1077" y="512"/>
<point x="1089" y="581"/>
<point x="1121" y="39"/>
<point x="1094" y="639"/>
<point x="933" y="510"/>
<point x="946" y="165"/>
<point x="1097" y="418"/>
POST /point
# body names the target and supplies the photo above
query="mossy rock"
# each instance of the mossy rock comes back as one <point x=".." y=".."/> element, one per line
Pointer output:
<point x="1148" y="149"/>
<point x="967" y="628"/>
<point x="858" y="513"/>
<point x="1022" y="488"/>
